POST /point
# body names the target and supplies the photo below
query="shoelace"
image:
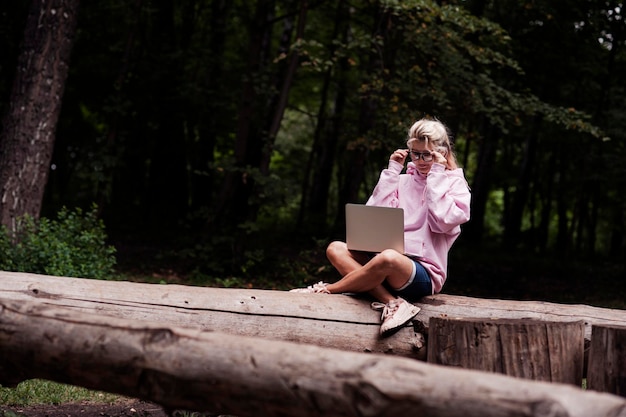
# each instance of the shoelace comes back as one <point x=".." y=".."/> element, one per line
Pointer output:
<point x="388" y="309"/>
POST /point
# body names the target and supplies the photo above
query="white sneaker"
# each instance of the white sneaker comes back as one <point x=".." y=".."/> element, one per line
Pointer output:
<point x="319" y="288"/>
<point x="396" y="314"/>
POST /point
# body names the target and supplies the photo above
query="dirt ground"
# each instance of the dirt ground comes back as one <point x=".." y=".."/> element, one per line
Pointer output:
<point x="125" y="408"/>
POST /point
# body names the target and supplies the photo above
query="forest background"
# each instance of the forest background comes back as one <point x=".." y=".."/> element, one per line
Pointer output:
<point x="220" y="140"/>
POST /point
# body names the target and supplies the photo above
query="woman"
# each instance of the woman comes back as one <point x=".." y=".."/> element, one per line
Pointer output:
<point x="436" y="201"/>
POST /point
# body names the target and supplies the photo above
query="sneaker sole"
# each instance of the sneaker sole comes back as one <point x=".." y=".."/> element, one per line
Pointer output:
<point x="393" y="330"/>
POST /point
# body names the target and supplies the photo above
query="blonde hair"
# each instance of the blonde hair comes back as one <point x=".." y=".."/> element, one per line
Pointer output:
<point x="433" y="133"/>
<point x="437" y="135"/>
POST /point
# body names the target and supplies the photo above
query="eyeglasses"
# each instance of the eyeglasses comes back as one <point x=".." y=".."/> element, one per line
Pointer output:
<point x="426" y="156"/>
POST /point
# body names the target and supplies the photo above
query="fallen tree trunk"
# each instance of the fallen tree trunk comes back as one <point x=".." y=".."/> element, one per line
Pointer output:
<point x="342" y="322"/>
<point x="196" y="370"/>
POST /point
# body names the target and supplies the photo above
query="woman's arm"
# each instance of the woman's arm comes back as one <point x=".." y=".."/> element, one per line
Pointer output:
<point x="385" y="193"/>
<point x="448" y="198"/>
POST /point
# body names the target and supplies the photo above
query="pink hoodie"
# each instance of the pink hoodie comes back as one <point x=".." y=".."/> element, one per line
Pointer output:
<point x="434" y="208"/>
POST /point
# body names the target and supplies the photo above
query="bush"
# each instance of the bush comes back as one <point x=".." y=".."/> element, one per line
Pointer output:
<point x="72" y="246"/>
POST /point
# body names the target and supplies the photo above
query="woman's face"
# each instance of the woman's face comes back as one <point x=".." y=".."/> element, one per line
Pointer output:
<point x="420" y="154"/>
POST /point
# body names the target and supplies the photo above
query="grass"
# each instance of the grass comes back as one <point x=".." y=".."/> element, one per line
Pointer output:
<point x="38" y="391"/>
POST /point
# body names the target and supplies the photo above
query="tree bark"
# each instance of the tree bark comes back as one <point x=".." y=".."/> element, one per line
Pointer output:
<point x="607" y="360"/>
<point x="482" y="183"/>
<point x="208" y="371"/>
<point x="233" y="204"/>
<point x="27" y="139"/>
<point x="337" y="321"/>
<point x="340" y="322"/>
<point x="533" y="349"/>
<point x="328" y="130"/>
<point x="283" y="80"/>
<point x="357" y="152"/>
<point x="514" y="219"/>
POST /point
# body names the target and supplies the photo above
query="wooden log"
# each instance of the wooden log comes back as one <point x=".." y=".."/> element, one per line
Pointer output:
<point x="607" y="360"/>
<point x="330" y="321"/>
<point x="335" y="321"/>
<point x="533" y="349"/>
<point x="197" y="370"/>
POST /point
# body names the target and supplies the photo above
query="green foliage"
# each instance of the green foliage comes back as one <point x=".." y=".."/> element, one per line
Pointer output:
<point x="73" y="245"/>
<point x="38" y="391"/>
<point x="166" y="105"/>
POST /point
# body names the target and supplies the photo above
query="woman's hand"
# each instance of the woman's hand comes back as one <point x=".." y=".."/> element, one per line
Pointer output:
<point x="439" y="158"/>
<point x="446" y="159"/>
<point x="399" y="155"/>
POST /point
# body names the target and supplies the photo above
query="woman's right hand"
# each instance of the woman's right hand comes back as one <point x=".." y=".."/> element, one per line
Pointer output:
<point x="399" y="155"/>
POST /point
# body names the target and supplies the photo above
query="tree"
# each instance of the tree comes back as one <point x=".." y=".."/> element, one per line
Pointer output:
<point x="556" y="176"/>
<point x="327" y="132"/>
<point x="217" y="123"/>
<point x="27" y="138"/>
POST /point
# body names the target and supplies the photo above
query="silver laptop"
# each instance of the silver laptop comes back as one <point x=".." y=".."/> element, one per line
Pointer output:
<point x="374" y="229"/>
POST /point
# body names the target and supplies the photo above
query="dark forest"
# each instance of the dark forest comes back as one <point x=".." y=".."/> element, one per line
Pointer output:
<point x="223" y="138"/>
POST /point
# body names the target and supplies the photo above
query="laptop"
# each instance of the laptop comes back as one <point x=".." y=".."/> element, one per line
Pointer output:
<point x="374" y="229"/>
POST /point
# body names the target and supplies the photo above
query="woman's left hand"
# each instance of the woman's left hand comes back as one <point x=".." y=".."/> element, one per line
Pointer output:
<point x="440" y="158"/>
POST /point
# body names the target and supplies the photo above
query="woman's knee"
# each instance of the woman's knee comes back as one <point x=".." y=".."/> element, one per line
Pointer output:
<point x="336" y="249"/>
<point x="388" y="258"/>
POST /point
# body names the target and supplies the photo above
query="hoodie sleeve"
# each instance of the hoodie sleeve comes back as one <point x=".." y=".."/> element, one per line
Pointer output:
<point x="385" y="193"/>
<point x="448" y="198"/>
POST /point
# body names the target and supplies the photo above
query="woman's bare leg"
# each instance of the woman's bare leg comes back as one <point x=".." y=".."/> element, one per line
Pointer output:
<point x="361" y="273"/>
<point x="382" y="294"/>
<point x="389" y="265"/>
<point x="345" y="260"/>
